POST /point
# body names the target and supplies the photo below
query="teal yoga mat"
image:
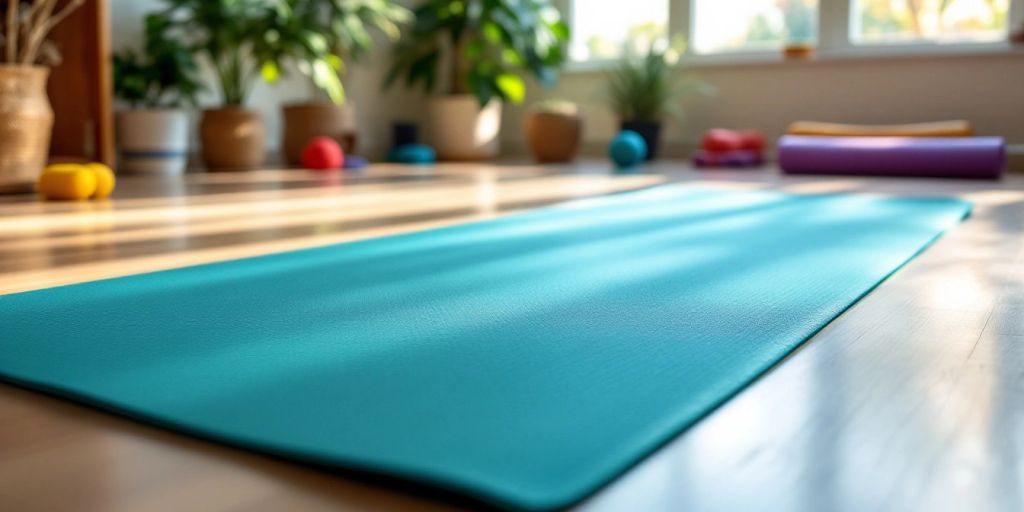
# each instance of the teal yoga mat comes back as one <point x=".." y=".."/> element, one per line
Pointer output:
<point x="524" y="361"/>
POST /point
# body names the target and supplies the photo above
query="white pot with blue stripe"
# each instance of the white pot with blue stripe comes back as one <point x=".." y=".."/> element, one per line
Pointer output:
<point x="152" y="141"/>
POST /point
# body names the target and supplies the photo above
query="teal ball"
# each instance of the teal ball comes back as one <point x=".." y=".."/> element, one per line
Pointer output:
<point x="627" y="149"/>
<point x="415" y="154"/>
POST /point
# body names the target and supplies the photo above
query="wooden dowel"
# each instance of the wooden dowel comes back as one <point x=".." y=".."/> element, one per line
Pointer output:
<point x="44" y="24"/>
<point x="11" y="42"/>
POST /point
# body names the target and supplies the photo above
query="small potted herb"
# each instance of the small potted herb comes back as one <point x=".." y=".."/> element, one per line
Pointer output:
<point x="153" y="133"/>
<point x="233" y="37"/>
<point x="643" y="89"/>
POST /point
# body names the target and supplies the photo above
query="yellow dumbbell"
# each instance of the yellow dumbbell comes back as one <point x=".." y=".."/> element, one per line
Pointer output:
<point x="75" y="181"/>
<point x="104" y="180"/>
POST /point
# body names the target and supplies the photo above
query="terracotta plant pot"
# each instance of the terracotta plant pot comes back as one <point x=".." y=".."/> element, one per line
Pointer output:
<point x="554" y="136"/>
<point x="304" y="122"/>
<point x="233" y="138"/>
<point x="460" y="130"/>
<point x="152" y="141"/>
<point x="26" y="124"/>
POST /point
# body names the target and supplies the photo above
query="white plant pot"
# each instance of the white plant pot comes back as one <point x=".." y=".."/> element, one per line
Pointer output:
<point x="152" y="141"/>
<point x="460" y="130"/>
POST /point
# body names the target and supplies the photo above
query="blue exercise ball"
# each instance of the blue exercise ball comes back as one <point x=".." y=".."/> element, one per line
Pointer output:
<point x="416" y="154"/>
<point x="627" y="149"/>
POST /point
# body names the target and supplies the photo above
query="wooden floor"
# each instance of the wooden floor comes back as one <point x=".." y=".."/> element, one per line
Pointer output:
<point x="912" y="400"/>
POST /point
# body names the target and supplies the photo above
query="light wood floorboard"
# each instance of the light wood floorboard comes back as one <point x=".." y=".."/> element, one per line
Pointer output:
<point x="911" y="400"/>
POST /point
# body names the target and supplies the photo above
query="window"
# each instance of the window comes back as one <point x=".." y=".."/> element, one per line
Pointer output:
<point x="943" y="21"/>
<point x="752" y="25"/>
<point x="600" y="30"/>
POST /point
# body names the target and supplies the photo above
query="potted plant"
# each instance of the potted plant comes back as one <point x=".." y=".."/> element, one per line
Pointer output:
<point x="553" y="130"/>
<point x="488" y="47"/>
<point x="643" y="90"/>
<point x="153" y="134"/>
<point x="344" y="27"/>
<point x="27" y="116"/>
<point x="239" y="40"/>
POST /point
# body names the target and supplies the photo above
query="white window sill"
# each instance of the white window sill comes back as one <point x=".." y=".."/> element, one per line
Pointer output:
<point x="848" y="54"/>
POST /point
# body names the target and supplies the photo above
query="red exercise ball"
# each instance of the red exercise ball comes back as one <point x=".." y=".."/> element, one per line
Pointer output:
<point x="322" y="154"/>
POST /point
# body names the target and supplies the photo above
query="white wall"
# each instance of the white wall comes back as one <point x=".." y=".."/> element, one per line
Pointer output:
<point x="984" y="88"/>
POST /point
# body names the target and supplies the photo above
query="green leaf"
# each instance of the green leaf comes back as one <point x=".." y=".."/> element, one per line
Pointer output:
<point x="512" y="57"/>
<point x="325" y="77"/>
<point x="512" y="87"/>
<point x="336" y="63"/>
<point x="561" y="31"/>
<point x="492" y="32"/>
<point x="474" y="50"/>
<point x="270" y="72"/>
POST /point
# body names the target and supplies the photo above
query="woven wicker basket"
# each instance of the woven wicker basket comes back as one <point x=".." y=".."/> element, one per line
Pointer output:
<point x="26" y="123"/>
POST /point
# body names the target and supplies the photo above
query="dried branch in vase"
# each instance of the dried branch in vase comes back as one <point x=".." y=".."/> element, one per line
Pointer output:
<point x="26" y="27"/>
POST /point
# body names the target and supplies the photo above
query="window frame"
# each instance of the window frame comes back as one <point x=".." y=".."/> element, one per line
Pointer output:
<point x="834" y="39"/>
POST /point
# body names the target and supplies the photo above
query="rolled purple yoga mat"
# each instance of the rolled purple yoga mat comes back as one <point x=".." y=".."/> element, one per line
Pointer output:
<point x="961" y="157"/>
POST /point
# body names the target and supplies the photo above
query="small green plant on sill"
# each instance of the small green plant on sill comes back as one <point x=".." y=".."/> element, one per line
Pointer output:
<point x="644" y="84"/>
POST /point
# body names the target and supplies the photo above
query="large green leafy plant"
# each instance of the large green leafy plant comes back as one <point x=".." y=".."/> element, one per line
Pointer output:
<point x="320" y="35"/>
<point x="236" y="37"/>
<point x="246" y="40"/>
<point x="163" y="75"/>
<point x="489" y="45"/>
